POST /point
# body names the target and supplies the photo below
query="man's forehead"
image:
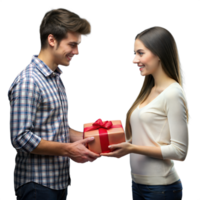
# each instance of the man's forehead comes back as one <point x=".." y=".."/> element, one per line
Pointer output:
<point x="75" y="39"/>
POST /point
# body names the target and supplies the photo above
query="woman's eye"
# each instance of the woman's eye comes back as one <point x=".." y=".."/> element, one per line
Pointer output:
<point x="135" y="54"/>
<point x="140" y="53"/>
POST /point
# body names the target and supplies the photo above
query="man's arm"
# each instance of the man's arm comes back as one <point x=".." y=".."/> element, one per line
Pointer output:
<point x="51" y="148"/>
<point x="56" y="148"/>
<point x="75" y="135"/>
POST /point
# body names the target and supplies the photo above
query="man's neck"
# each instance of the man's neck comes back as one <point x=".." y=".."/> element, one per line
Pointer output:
<point x="46" y="59"/>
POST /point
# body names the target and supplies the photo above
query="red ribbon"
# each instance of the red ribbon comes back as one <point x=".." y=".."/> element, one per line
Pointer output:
<point x="103" y="134"/>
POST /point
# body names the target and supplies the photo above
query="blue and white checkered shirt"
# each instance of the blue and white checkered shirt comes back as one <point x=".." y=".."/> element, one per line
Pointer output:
<point x="39" y="111"/>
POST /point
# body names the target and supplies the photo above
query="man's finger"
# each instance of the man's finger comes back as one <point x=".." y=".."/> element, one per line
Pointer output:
<point x="93" y="155"/>
<point x="86" y="140"/>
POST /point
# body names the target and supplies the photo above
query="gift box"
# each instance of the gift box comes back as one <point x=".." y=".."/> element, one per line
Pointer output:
<point x="105" y="133"/>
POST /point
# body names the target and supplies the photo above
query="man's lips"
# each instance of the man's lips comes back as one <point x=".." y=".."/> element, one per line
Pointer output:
<point x="69" y="57"/>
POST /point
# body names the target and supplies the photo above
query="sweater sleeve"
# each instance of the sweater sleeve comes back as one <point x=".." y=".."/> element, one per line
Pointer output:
<point x="24" y="98"/>
<point x="176" y="113"/>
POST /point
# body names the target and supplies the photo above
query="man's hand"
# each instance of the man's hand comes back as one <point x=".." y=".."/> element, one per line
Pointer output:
<point x="79" y="153"/>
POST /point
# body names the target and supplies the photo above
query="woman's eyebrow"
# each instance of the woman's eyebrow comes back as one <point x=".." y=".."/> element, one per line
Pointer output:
<point x="138" y="50"/>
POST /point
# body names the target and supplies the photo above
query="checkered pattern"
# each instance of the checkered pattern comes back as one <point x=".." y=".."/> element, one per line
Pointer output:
<point x="39" y="110"/>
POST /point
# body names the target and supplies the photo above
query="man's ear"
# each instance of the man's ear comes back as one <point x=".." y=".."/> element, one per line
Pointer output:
<point x="51" y="40"/>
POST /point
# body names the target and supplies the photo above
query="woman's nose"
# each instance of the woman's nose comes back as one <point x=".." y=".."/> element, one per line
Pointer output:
<point x="135" y="60"/>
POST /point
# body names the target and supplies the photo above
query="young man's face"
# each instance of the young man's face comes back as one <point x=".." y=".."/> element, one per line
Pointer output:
<point x="55" y="56"/>
<point x="68" y="48"/>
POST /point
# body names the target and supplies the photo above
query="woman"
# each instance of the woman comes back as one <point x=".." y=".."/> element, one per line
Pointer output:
<point x="156" y="123"/>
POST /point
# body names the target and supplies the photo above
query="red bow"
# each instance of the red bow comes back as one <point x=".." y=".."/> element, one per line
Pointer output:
<point x="103" y="134"/>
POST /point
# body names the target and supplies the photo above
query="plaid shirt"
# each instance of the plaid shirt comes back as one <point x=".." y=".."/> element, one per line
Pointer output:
<point x="39" y="110"/>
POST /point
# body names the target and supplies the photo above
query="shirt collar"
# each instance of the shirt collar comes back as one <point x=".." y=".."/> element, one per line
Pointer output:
<point x="44" y="69"/>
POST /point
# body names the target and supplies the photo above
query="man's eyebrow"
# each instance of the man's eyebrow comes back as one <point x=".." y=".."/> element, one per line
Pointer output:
<point x="77" y="43"/>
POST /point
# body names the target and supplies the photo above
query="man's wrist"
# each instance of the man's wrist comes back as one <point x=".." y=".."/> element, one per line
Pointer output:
<point x="65" y="149"/>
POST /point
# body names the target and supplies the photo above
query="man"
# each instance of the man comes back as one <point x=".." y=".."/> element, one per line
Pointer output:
<point x="39" y="125"/>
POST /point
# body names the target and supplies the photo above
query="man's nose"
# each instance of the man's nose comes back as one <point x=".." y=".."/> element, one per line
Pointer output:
<point x="76" y="51"/>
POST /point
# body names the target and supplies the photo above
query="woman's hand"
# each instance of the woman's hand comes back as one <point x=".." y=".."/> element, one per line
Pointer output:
<point x="119" y="150"/>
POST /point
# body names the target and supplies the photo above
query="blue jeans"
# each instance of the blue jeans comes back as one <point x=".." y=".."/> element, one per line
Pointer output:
<point x="157" y="192"/>
<point x="34" y="191"/>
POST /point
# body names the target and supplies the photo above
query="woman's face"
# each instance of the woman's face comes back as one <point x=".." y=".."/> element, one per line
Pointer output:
<point x="147" y="62"/>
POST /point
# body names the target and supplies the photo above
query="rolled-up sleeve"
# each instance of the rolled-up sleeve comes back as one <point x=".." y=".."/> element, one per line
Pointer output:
<point x="175" y="106"/>
<point x="24" y="98"/>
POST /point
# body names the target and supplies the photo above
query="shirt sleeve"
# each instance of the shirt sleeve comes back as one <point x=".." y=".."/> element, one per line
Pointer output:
<point x="177" y="119"/>
<point x="24" y="98"/>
